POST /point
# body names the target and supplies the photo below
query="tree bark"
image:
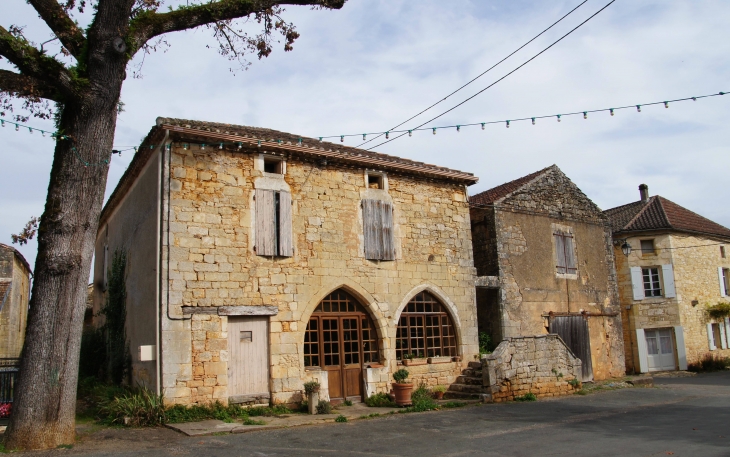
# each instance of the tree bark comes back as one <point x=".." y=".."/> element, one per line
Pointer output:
<point x="45" y="404"/>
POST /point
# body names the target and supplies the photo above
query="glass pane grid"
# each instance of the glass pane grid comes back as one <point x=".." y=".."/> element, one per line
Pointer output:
<point x="425" y="329"/>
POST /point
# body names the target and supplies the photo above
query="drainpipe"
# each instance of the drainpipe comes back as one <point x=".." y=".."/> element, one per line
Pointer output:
<point x="158" y="287"/>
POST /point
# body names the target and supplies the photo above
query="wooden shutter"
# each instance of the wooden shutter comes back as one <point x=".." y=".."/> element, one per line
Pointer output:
<point x="668" y="275"/>
<point x="286" y="245"/>
<point x="372" y="229"/>
<point x="710" y="338"/>
<point x="637" y="283"/>
<point x="560" y="251"/>
<point x="388" y="244"/>
<point x="723" y="336"/>
<point x="265" y="219"/>
<point x="681" y="350"/>
<point x="643" y="353"/>
<point x="727" y="329"/>
<point x="570" y="264"/>
<point x="723" y="292"/>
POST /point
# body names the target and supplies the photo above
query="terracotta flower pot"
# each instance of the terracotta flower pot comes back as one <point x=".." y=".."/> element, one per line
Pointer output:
<point x="439" y="395"/>
<point x="402" y="394"/>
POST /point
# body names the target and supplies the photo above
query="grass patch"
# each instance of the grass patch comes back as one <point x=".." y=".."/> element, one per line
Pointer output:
<point x="347" y="403"/>
<point x="421" y="401"/>
<point x="708" y="363"/>
<point x="380" y="400"/>
<point x="249" y="421"/>
<point x="529" y="396"/>
<point x="340" y="418"/>
<point x="370" y="416"/>
<point x="324" y="407"/>
<point x="452" y="404"/>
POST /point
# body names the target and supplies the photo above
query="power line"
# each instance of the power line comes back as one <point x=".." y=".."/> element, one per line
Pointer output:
<point x="479" y="76"/>
<point x="503" y="77"/>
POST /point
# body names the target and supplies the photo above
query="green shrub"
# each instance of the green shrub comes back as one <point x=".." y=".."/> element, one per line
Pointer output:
<point x="380" y="400"/>
<point x="710" y="362"/>
<point x="347" y="403"/>
<point x="324" y="407"/>
<point x="452" y="404"/>
<point x="269" y="411"/>
<point x="137" y="408"/>
<point x="340" y="418"/>
<point x="421" y="401"/>
<point x="719" y="311"/>
<point x="485" y="343"/>
<point x="400" y="376"/>
<point x="529" y="396"/>
<point x="575" y="382"/>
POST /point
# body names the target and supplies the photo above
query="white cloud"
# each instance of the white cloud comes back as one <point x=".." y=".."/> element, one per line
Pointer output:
<point x="377" y="62"/>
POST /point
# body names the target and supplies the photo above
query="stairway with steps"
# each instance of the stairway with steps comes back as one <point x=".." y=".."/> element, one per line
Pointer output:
<point x="468" y="385"/>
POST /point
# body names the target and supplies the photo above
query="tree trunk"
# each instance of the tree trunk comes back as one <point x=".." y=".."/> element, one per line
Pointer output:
<point x="45" y="398"/>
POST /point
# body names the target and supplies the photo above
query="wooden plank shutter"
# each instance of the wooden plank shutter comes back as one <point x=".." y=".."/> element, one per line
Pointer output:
<point x="560" y="251"/>
<point x="371" y="228"/>
<point x="668" y="275"/>
<point x="721" y="277"/>
<point x="643" y="353"/>
<point x="265" y="220"/>
<point x="570" y="264"/>
<point x="710" y="338"/>
<point x="723" y="336"/>
<point x="388" y="243"/>
<point x="727" y="329"/>
<point x="286" y="245"/>
<point x="637" y="283"/>
<point x="681" y="350"/>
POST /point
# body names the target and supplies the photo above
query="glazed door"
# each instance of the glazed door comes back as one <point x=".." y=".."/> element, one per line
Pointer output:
<point x="248" y="345"/>
<point x="660" y="350"/>
<point x="332" y="360"/>
<point x="351" y="360"/>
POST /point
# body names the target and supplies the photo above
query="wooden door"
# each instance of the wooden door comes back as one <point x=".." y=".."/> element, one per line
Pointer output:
<point x="574" y="331"/>
<point x="332" y="362"/>
<point x="351" y="361"/>
<point x="660" y="349"/>
<point x="248" y="352"/>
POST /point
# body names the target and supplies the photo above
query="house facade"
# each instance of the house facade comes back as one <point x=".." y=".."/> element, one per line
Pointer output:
<point x="259" y="260"/>
<point x="677" y="267"/>
<point x="15" y="276"/>
<point x="544" y="261"/>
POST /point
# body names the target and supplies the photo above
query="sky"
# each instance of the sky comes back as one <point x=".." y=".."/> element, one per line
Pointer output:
<point x="375" y="63"/>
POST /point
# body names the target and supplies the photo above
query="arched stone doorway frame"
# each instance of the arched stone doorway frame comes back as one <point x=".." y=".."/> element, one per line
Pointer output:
<point x="444" y="299"/>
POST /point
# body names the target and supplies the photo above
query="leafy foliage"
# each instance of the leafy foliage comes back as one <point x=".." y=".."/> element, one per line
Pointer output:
<point x="380" y="400"/>
<point x="400" y="376"/>
<point x="115" y="314"/>
<point x="92" y="360"/>
<point x="30" y="229"/>
<point x="340" y="418"/>
<point x="139" y="407"/>
<point x="311" y="387"/>
<point x="324" y="407"/>
<point x="485" y="343"/>
<point x="710" y="362"/>
<point x="719" y="311"/>
<point x="529" y="396"/>
<point x="421" y="400"/>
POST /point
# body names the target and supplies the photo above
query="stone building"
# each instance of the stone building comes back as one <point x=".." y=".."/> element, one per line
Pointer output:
<point x="677" y="267"/>
<point x="544" y="261"/>
<point x="15" y="276"/>
<point x="258" y="260"/>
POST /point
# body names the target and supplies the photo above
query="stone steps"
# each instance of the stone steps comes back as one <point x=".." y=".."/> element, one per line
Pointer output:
<point x="465" y="388"/>
<point x="473" y="372"/>
<point x="471" y="380"/>
<point x="461" y="396"/>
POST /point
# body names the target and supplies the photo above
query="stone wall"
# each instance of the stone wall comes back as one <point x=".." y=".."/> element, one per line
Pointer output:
<point x="695" y="260"/>
<point x="542" y="365"/>
<point x="212" y="261"/>
<point x="15" y="278"/>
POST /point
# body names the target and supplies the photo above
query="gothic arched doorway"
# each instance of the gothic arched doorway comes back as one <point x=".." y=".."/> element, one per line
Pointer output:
<point x="340" y="339"/>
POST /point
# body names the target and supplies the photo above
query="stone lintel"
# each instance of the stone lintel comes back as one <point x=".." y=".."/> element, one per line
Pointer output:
<point x="487" y="282"/>
<point x="232" y="310"/>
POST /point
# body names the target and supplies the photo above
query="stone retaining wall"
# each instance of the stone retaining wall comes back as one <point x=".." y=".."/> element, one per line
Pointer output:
<point x="540" y="364"/>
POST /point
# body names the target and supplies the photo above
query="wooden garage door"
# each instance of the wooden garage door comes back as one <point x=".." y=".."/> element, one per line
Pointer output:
<point x="574" y="331"/>
<point x="341" y="338"/>
<point x="248" y="363"/>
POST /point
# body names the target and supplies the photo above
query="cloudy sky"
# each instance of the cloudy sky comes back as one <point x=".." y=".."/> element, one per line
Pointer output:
<point x="375" y="63"/>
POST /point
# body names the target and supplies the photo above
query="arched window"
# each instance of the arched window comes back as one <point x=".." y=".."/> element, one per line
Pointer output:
<point x="425" y="329"/>
<point x="340" y="332"/>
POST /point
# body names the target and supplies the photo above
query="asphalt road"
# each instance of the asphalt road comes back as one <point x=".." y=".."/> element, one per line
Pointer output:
<point x="680" y="417"/>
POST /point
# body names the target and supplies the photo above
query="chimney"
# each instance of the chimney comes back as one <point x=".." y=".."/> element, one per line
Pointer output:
<point x="644" y="192"/>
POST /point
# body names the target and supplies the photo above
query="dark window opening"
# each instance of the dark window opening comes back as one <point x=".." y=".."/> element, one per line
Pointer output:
<point x="272" y="165"/>
<point x="375" y="182"/>
<point x="647" y="247"/>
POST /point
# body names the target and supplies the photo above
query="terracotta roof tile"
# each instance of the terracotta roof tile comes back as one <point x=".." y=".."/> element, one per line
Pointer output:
<point x="658" y="213"/>
<point x="490" y="196"/>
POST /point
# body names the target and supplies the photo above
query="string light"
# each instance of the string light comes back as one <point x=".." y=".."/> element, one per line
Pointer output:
<point x="611" y="110"/>
<point x="434" y="131"/>
<point x="483" y="125"/>
<point x="30" y="130"/>
<point x="202" y="147"/>
<point x="221" y="146"/>
<point x="507" y="124"/>
<point x="458" y="128"/>
<point x="342" y="138"/>
<point x="585" y="115"/>
<point x="533" y="121"/>
<point x="3" y="123"/>
<point x="638" y="108"/>
<point x="185" y="146"/>
<point x="364" y="136"/>
<point x="387" y="135"/>
<point x="558" y="117"/>
<point x="410" y="133"/>
<point x="17" y="127"/>
<point x="666" y="104"/>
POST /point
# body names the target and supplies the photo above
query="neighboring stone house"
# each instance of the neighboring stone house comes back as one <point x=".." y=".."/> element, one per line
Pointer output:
<point x="15" y="276"/>
<point x="258" y="260"/>
<point x="544" y="263"/>
<point x="677" y="267"/>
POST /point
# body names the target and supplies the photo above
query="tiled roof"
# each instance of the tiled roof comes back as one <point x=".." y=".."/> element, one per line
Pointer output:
<point x="658" y="213"/>
<point x="490" y="196"/>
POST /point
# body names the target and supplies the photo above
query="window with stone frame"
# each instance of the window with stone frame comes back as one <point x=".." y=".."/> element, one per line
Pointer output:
<point x="565" y="253"/>
<point x="647" y="247"/>
<point x="377" y="217"/>
<point x="652" y="282"/>
<point x="425" y="329"/>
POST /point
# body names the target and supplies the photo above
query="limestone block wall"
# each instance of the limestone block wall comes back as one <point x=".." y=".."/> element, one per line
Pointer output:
<point x="209" y="261"/>
<point x="15" y="279"/>
<point x="541" y="364"/>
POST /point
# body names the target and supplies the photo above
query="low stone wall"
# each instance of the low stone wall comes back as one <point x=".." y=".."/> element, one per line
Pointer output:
<point x="540" y="364"/>
<point x="430" y="374"/>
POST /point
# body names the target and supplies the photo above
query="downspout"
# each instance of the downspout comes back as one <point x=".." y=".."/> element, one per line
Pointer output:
<point x="158" y="247"/>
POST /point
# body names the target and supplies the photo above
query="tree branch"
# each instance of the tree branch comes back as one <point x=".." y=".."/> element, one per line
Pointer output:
<point x="32" y="63"/>
<point x="61" y="24"/>
<point x="27" y="87"/>
<point x="149" y="25"/>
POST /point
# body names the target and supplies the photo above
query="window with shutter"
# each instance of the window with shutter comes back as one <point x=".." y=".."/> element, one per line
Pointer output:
<point x="377" y="217"/>
<point x="273" y="223"/>
<point x="565" y="254"/>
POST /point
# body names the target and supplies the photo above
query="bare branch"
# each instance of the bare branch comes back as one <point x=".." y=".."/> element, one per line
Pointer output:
<point x="61" y="24"/>
<point x="23" y="86"/>
<point x="149" y="25"/>
<point x="31" y="62"/>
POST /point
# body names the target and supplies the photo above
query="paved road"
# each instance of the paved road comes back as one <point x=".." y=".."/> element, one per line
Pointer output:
<point x="680" y="417"/>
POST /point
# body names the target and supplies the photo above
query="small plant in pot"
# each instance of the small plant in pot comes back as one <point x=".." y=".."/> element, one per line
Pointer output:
<point x="311" y="389"/>
<point x="438" y="392"/>
<point x="401" y="389"/>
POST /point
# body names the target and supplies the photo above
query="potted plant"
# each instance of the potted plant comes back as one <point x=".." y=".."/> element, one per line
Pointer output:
<point x="401" y="389"/>
<point x="311" y="389"/>
<point x="438" y="392"/>
<point x="411" y="360"/>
